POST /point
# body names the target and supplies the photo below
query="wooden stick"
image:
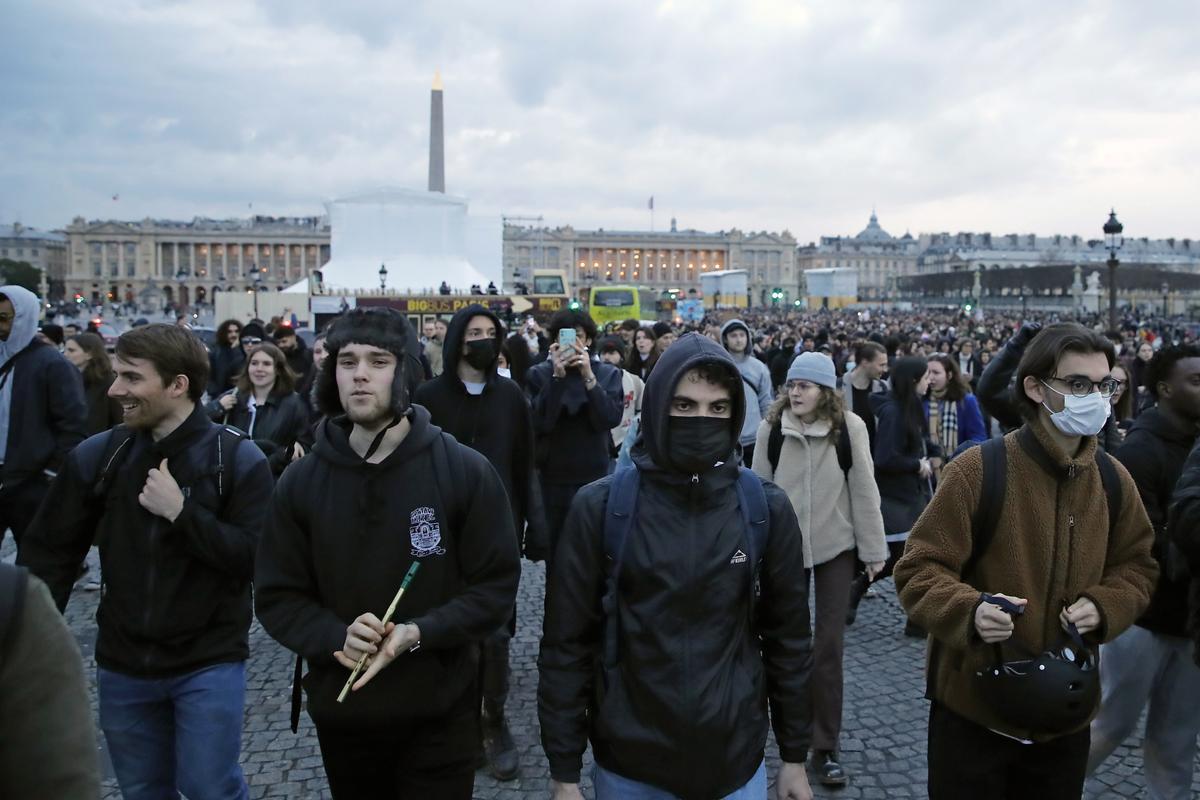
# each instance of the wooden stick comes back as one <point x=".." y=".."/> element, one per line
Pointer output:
<point x="362" y="662"/>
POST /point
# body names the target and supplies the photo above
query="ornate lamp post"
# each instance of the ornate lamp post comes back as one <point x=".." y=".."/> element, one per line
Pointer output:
<point x="1166" y="290"/>
<point x="382" y="277"/>
<point x="257" y="283"/>
<point x="1113" y="239"/>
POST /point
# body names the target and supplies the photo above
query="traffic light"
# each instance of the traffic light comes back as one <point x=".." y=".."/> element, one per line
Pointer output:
<point x="573" y="305"/>
<point x="776" y="295"/>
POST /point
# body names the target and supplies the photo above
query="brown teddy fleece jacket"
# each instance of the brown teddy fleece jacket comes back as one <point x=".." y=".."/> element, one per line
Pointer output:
<point x="1051" y="547"/>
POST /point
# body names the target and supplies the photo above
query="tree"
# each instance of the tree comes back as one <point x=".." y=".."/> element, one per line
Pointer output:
<point x="20" y="273"/>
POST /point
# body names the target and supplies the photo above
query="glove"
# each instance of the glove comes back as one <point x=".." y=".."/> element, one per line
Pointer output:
<point x="1025" y="335"/>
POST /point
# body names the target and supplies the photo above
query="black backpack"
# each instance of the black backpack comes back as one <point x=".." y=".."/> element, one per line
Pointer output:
<point x="987" y="517"/>
<point x="845" y="455"/>
<point x="115" y="452"/>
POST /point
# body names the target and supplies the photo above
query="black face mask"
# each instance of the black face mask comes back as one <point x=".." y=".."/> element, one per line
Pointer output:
<point x="695" y="444"/>
<point x="481" y="354"/>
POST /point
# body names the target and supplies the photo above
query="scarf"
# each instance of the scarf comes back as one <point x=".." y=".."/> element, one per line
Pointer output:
<point x="943" y="424"/>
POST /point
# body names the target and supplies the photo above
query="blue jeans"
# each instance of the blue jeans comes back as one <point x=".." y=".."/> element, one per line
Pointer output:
<point x="171" y="735"/>
<point x="611" y="786"/>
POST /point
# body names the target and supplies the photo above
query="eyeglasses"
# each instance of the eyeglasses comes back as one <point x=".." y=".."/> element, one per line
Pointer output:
<point x="798" y="386"/>
<point x="1082" y="387"/>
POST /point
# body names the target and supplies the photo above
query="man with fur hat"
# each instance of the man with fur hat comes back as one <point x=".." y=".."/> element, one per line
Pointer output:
<point x="335" y="552"/>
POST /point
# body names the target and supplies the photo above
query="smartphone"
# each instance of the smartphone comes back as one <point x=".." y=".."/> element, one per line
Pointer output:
<point x="566" y="338"/>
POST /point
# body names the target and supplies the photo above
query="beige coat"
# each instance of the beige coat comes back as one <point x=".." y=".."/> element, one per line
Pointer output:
<point x="836" y="513"/>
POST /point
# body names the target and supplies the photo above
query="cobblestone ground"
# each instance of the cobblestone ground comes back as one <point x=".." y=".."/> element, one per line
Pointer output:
<point x="883" y="742"/>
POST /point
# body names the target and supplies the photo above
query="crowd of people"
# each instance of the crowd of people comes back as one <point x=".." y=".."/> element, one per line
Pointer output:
<point x="1032" y="486"/>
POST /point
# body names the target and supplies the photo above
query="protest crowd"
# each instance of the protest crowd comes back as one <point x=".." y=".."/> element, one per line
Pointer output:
<point x="712" y="502"/>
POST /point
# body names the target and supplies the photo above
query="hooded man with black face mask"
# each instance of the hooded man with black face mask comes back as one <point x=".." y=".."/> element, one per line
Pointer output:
<point x="489" y="413"/>
<point x="684" y="707"/>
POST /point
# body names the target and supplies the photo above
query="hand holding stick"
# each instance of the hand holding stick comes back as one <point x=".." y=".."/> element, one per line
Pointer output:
<point x="362" y="661"/>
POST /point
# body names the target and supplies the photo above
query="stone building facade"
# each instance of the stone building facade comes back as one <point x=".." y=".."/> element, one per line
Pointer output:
<point x="114" y="261"/>
<point x="670" y="261"/>
<point x="44" y="250"/>
<point x="877" y="256"/>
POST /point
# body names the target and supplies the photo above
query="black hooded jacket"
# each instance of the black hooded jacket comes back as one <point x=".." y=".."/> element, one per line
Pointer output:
<point x="175" y="595"/>
<point x="339" y="538"/>
<point x="497" y="423"/>
<point x="686" y="707"/>
<point x="573" y="424"/>
<point x="1154" y="452"/>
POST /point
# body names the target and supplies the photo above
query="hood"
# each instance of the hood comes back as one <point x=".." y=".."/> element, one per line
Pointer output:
<point x="26" y="310"/>
<point x="880" y="401"/>
<point x="333" y="441"/>
<point x="690" y="351"/>
<point x="456" y="331"/>
<point x="1155" y="423"/>
<point x="733" y="325"/>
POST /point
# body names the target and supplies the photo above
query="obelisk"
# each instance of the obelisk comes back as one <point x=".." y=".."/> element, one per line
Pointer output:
<point x="437" y="145"/>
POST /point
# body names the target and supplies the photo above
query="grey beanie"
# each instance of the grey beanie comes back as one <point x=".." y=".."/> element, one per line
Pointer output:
<point x="815" y="368"/>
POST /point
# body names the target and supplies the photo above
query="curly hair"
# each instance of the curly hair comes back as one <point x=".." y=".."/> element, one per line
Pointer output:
<point x="830" y="406"/>
<point x="1162" y="364"/>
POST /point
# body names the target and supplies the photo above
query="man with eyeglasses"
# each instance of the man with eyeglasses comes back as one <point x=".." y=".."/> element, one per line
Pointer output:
<point x="1055" y="559"/>
<point x="1151" y="664"/>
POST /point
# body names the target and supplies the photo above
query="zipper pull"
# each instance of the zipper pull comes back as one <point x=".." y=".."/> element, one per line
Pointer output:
<point x="1070" y="520"/>
<point x="1071" y="470"/>
<point x="695" y="478"/>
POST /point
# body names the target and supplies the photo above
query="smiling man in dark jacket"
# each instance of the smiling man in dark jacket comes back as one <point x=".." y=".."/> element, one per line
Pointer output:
<point x="383" y="490"/>
<point x="681" y="704"/>
<point x="176" y="505"/>
<point x="43" y="413"/>
<point x="488" y="413"/>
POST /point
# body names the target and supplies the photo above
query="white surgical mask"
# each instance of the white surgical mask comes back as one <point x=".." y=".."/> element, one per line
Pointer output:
<point x="1081" y="416"/>
<point x="504" y="372"/>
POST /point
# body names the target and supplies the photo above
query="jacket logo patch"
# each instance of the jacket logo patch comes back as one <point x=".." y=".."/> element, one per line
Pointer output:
<point x="738" y="558"/>
<point x="425" y="533"/>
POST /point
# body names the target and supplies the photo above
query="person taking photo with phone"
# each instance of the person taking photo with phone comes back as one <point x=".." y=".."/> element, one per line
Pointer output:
<point x="577" y="400"/>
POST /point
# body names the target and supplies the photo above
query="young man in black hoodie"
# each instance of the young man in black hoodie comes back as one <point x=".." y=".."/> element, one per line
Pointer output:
<point x="577" y="400"/>
<point x="1150" y="663"/>
<point x="382" y="490"/>
<point x="488" y="413"/>
<point x="681" y="705"/>
<point x="176" y="510"/>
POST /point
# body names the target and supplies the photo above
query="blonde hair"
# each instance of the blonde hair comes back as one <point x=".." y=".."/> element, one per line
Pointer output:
<point x="831" y="406"/>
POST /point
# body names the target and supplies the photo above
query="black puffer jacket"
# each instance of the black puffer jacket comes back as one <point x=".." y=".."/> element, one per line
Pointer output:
<point x="224" y="366"/>
<point x="685" y="709"/>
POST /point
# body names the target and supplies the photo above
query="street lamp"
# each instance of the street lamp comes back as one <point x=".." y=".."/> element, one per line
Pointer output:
<point x="1114" y="240"/>
<point x="182" y="277"/>
<point x="1166" y="290"/>
<point x="257" y="282"/>
<point x="382" y="277"/>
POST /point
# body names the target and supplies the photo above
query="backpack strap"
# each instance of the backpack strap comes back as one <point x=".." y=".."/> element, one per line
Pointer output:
<point x="451" y="476"/>
<point x="228" y="439"/>
<point x="618" y="521"/>
<point x="756" y="522"/>
<point x="983" y="530"/>
<point x="1112" y="488"/>
<point x="844" y="452"/>
<point x="13" y="583"/>
<point x="775" y="443"/>
<point x="115" y="450"/>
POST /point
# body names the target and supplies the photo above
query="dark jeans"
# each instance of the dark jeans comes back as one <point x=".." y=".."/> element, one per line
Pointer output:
<point x="176" y="734"/>
<point x="557" y="497"/>
<point x="19" y="504"/>
<point x="831" y="584"/>
<point x="420" y="759"/>
<point x="968" y="760"/>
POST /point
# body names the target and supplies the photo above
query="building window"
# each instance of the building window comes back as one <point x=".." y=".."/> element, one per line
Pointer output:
<point x="34" y="252"/>
<point x="96" y="269"/>
<point x="130" y="268"/>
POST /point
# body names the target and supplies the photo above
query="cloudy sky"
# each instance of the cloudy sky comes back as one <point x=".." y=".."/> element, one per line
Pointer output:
<point x="1021" y="116"/>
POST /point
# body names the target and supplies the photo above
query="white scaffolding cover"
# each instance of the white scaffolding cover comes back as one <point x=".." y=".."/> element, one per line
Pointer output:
<point x="423" y="238"/>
